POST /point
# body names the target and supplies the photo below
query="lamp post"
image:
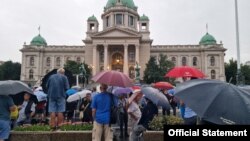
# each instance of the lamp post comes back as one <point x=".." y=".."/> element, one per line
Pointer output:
<point x="137" y="73"/>
<point x="239" y="76"/>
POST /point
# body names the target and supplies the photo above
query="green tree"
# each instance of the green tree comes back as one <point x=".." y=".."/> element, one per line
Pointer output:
<point x="231" y="72"/>
<point x="164" y="66"/>
<point x="155" y="72"/>
<point x="10" y="71"/>
<point x="150" y="73"/>
<point x="74" y="67"/>
<point x="245" y="69"/>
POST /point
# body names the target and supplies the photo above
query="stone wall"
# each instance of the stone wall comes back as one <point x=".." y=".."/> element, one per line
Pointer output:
<point x="72" y="136"/>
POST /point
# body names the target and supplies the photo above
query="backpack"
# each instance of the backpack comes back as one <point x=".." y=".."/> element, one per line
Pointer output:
<point x="113" y="111"/>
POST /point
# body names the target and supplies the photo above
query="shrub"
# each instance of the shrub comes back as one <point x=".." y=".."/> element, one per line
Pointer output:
<point x="158" y="122"/>
<point x="32" y="128"/>
<point x="77" y="127"/>
<point x="66" y="127"/>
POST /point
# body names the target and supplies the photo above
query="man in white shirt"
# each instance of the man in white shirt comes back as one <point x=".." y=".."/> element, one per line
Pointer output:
<point x="26" y="111"/>
<point x="134" y="111"/>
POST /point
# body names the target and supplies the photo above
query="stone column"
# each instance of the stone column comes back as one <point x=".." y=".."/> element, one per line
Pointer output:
<point x="112" y="19"/>
<point x="53" y="62"/>
<point x="205" y="65"/>
<point x="94" y="60"/>
<point x="125" y="65"/>
<point x="63" y="60"/>
<point x="137" y="55"/>
<point x="105" y="57"/>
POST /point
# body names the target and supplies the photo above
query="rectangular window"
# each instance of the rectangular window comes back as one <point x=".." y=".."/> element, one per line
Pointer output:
<point x="131" y="21"/>
<point x="107" y="21"/>
<point x="92" y="26"/>
<point x="119" y="19"/>
<point x="131" y="57"/>
<point x="144" y="26"/>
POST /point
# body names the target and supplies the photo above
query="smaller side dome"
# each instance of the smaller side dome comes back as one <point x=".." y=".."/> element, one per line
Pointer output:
<point x="144" y="18"/>
<point x="208" y="40"/>
<point x="92" y="18"/>
<point x="38" y="41"/>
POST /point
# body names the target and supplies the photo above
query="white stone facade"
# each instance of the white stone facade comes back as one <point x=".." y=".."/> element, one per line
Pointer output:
<point x="124" y="40"/>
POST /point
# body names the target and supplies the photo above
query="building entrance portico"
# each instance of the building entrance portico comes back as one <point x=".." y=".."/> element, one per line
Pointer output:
<point x="117" y="61"/>
<point x="115" y="57"/>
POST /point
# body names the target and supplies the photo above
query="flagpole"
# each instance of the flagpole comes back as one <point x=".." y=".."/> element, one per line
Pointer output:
<point x="239" y="76"/>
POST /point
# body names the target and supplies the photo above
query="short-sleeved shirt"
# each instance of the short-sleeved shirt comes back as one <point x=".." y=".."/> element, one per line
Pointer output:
<point x="189" y="113"/>
<point x="57" y="86"/>
<point x="135" y="110"/>
<point x="101" y="103"/>
<point x="5" y="103"/>
<point x="22" y="115"/>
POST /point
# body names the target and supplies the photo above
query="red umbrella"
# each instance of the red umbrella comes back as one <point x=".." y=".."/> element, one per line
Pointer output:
<point x="163" y="85"/>
<point x="113" y="78"/>
<point x="185" y="71"/>
<point x="136" y="87"/>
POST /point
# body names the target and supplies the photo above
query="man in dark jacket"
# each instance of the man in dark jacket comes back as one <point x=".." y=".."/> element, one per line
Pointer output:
<point x="86" y="109"/>
<point x="148" y="113"/>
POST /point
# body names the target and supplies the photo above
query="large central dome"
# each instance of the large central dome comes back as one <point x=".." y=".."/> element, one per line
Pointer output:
<point x="127" y="3"/>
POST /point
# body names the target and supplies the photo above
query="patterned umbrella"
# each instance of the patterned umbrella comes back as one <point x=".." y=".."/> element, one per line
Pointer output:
<point x="185" y="71"/>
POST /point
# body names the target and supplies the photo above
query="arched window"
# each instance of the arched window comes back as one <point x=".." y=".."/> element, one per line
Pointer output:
<point x="212" y="61"/>
<point x="131" y="72"/>
<point x="58" y="61"/>
<point x="131" y="56"/>
<point x="31" y="74"/>
<point x="67" y="59"/>
<point x="173" y="59"/>
<point x="78" y="60"/>
<point x="195" y="60"/>
<point x="101" y="56"/>
<point x="48" y="61"/>
<point x="32" y="61"/>
<point x="213" y="74"/>
<point x="184" y="61"/>
<point x="119" y="19"/>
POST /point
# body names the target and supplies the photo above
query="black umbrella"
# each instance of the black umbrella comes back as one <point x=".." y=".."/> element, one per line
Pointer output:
<point x="16" y="89"/>
<point x="12" y="87"/>
<point x="156" y="96"/>
<point x="19" y="98"/>
<point x="216" y="101"/>
<point x="46" y="78"/>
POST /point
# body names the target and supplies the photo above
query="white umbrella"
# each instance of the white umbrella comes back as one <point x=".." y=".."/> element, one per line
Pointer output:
<point x="41" y="96"/>
<point x="78" y="95"/>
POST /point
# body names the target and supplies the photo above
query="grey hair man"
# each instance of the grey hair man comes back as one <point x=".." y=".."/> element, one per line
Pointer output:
<point x="57" y="86"/>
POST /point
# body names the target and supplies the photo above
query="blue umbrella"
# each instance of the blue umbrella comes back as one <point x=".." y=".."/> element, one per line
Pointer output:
<point x="171" y="91"/>
<point x="70" y="92"/>
<point x="156" y="97"/>
<point x="41" y="96"/>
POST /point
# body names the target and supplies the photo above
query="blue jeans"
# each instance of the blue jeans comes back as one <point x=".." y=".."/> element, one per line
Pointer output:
<point x="4" y="129"/>
<point x="57" y="105"/>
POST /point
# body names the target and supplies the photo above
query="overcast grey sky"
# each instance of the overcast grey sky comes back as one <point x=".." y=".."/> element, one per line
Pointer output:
<point x="63" y="22"/>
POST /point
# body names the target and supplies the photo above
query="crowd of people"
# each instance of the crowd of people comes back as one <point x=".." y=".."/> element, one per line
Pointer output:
<point x="133" y="110"/>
